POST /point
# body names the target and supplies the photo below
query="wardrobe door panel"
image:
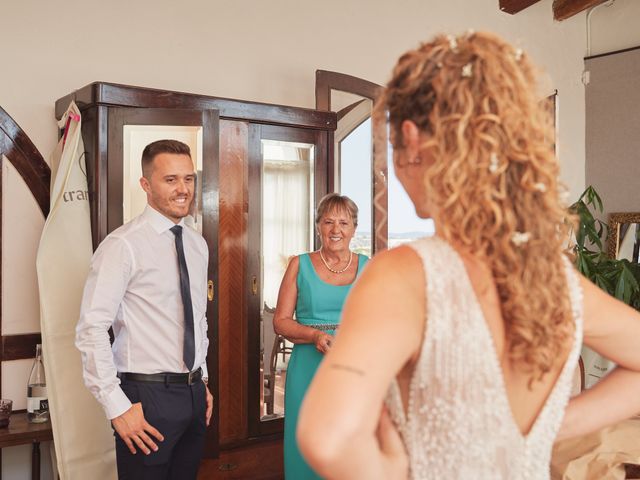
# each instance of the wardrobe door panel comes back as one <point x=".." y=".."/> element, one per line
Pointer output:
<point x="287" y="177"/>
<point x="129" y="131"/>
<point x="232" y="251"/>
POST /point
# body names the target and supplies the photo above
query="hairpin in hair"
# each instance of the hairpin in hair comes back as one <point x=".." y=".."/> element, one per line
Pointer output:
<point x="520" y="238"/>
<point x="467" y="70"/>
<point x="494" y="163"/>
<point x="518" y="54"/>
<point x="453" y="43"/>
<point x="439" y="65"/>
<point x="540" y="187"/>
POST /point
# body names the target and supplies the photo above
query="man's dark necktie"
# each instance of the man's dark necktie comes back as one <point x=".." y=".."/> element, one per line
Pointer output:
<point x="189" y="350"/>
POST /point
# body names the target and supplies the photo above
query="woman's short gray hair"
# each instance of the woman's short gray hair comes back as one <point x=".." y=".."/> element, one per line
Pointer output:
<point x="336" y="202"/>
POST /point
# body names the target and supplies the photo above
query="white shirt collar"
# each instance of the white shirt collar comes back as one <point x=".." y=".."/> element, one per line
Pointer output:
<point x="158" y="221"/>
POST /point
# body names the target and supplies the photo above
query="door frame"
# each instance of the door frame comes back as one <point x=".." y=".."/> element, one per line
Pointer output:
<point x="327" y="81"/>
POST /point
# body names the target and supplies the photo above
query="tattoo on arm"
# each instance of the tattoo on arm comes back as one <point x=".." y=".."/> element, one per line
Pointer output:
<point x="347" y="368"/>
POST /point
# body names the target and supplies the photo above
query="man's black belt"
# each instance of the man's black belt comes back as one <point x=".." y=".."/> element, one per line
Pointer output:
<point x="166" y="378"/>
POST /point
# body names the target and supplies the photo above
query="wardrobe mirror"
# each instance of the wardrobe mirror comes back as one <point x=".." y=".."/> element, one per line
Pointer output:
<point x="135" y="139"/>
<point x="287" y="229"/>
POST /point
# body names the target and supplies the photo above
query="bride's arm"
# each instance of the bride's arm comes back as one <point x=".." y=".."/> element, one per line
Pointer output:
<point x="339" y="430"/>
<point x="612" y="329"/>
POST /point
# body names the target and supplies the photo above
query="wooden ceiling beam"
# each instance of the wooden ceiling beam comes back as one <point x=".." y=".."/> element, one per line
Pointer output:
<point x="515" y="6"/>
<point x="563" y="9"/>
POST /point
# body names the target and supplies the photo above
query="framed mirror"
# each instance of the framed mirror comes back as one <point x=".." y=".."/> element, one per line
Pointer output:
<point x="624" y="236"/>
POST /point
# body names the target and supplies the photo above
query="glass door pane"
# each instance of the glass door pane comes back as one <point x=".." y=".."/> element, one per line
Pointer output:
<point x="355" y="160"/>
<point x="287" y="229"/>
<point x="404" y="224"/>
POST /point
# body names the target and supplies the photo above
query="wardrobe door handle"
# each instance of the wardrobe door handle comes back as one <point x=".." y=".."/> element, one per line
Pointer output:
<point x="210" y="290"/>
<point x="254" y="285"/>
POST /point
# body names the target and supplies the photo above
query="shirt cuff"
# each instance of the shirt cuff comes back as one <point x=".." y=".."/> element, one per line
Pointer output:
<point x="205" y="372"/>
<point x="116" y="403"/>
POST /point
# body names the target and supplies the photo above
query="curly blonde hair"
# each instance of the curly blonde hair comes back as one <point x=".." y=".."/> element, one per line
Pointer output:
<point x="493" y="175"/>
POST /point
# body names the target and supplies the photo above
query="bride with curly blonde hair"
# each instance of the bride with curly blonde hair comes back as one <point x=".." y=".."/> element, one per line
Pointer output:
<point x="456" y="353"/>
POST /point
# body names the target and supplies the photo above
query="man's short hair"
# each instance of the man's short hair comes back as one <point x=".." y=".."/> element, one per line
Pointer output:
<point x="158" y="147"/>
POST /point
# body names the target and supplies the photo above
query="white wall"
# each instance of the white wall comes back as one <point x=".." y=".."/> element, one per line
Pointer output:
<point x="612" y="147"/>
<point x="615" y="27"/>
<point x="258" y="50"/>
<point x="612" y="103"/>
<point x="254" y="50"/>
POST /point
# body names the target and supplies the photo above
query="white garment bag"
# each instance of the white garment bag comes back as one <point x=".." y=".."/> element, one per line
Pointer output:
<point x="82" y="434"/>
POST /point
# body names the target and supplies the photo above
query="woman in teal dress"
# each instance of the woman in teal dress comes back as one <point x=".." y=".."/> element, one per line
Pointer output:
<point x="314" y="287"/>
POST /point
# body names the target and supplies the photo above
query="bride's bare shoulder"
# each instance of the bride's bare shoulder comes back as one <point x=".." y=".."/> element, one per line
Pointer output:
<point x="390" y="292"/>
<point x="397" y="268"/>
<point x="406" y="255"/>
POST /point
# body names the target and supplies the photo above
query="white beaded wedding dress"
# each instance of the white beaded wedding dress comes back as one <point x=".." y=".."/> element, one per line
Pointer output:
<point x="458" y="423"/>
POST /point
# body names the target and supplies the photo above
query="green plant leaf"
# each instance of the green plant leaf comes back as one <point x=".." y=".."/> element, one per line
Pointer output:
<point x="620" y="278"/>
<point x="603" y="282"/>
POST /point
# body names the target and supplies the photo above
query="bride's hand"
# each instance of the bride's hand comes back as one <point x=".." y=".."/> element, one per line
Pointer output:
<point x="394" y="456"/>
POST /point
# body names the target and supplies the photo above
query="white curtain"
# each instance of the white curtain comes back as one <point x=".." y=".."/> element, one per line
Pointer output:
<point x="82" y="434"/>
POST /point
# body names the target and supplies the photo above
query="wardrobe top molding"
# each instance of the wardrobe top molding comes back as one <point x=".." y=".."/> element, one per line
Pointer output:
<point x="114" y="95"/>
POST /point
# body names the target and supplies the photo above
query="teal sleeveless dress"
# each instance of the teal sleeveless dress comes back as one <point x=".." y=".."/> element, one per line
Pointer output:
<point x="319" y="304"/>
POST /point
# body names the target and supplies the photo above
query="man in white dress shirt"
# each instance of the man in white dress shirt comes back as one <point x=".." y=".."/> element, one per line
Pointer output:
<point x="148" y="281"/>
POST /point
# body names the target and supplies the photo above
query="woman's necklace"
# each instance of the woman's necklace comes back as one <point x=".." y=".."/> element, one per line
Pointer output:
<point x="336" y="271"/>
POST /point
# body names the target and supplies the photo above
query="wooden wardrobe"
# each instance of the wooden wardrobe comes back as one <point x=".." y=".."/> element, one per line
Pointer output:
<point x="241" y="442"/>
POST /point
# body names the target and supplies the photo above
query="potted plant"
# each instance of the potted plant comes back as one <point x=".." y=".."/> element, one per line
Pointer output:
<point x="620" y="278"/>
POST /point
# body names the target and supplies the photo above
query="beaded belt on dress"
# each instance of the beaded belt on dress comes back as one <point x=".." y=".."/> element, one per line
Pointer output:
<point x="323" y="326"/>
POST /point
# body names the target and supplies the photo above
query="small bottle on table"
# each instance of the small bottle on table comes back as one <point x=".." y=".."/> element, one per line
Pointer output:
<point x="37" y="400"/>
